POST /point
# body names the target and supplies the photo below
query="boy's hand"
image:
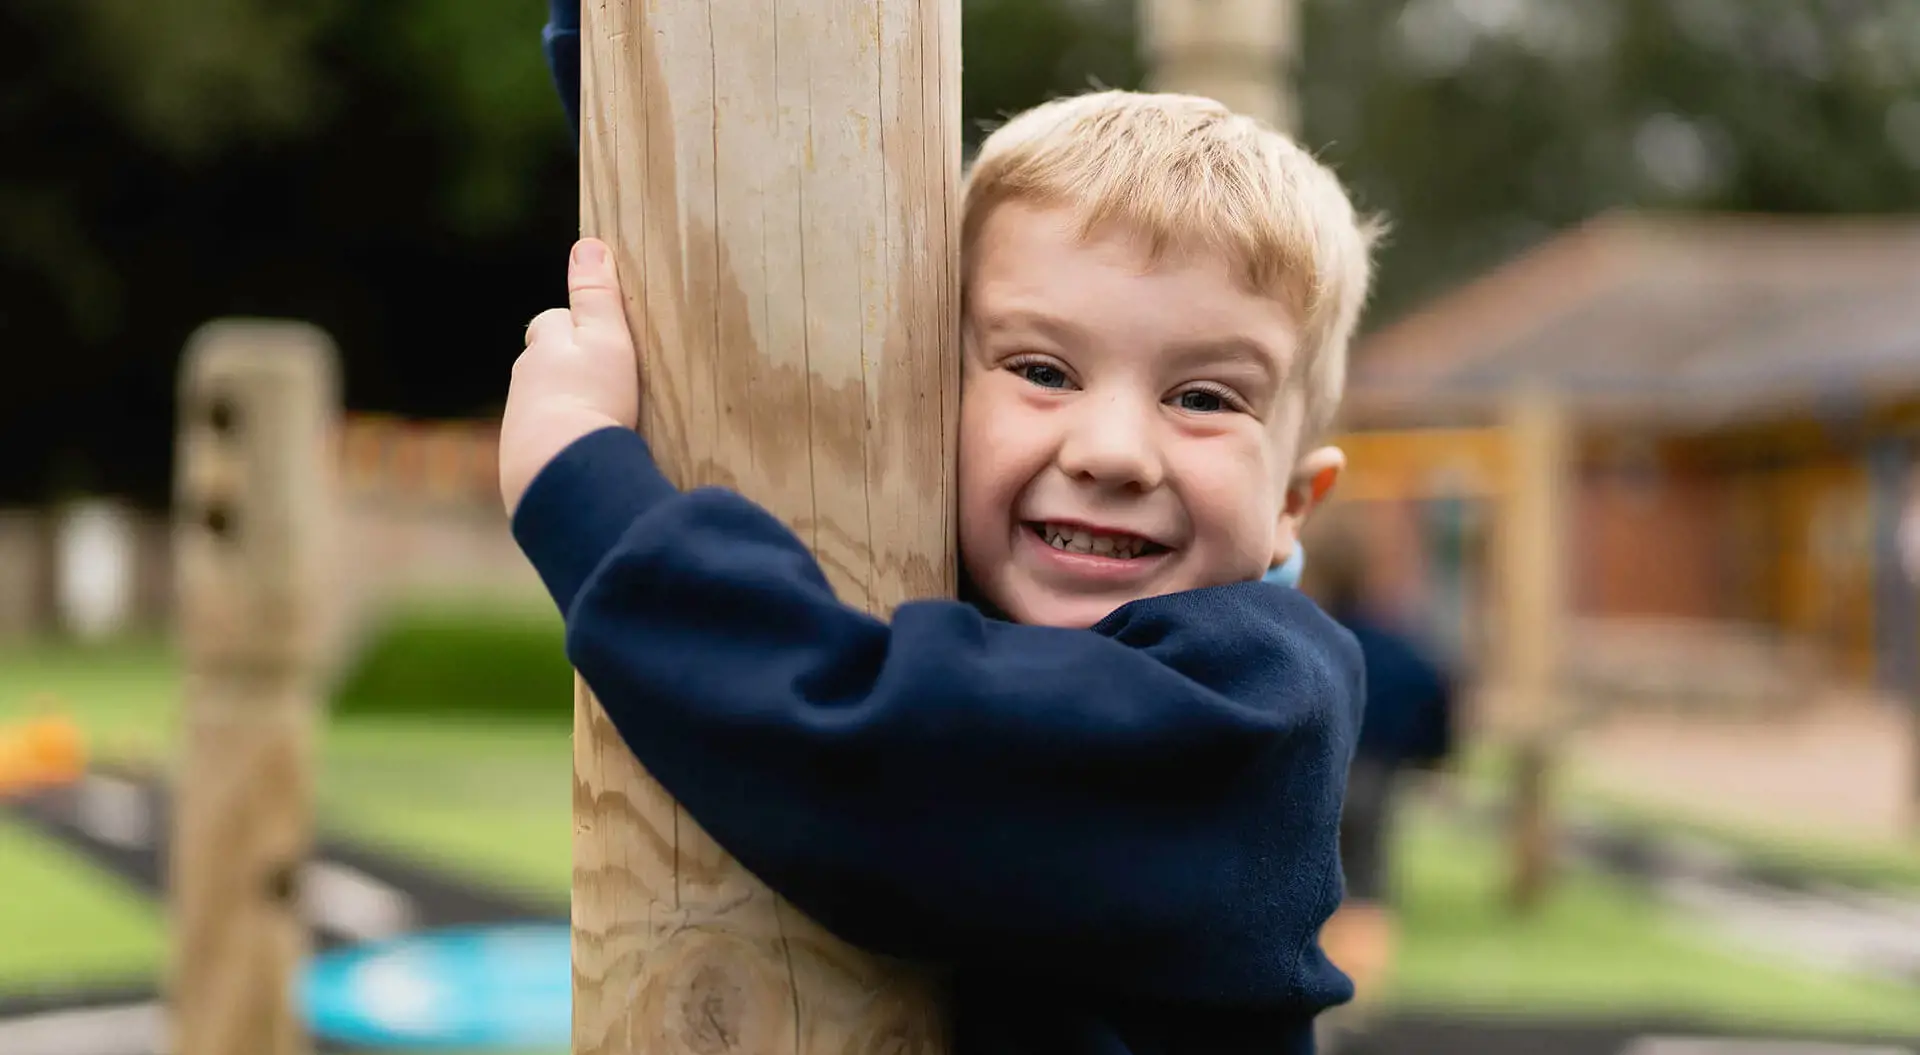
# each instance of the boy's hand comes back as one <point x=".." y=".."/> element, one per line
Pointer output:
<point x="578" y="374"/>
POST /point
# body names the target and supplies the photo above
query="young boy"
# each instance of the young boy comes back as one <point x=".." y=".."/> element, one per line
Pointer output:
<point x="1106" y="796"/>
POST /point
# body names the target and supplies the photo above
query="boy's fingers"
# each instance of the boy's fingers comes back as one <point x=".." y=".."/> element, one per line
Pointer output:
<point x="553" y="322"/>
<point x="594" y="289"/>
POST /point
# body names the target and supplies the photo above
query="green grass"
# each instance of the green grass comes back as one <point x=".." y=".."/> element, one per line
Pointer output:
<point x="124" y="697"/>
<point x="489" y="801"/>
<point x="504" y="664"/>
<point x="67" y="923"/>
<point x="487" y="794"/>
<point x="1599" y="947"/>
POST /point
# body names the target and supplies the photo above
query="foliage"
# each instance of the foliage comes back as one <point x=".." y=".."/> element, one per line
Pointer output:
<point x="1021" y="52"/>
<point x="1482" y="126"/>
<point x="355" y="162"/>
<point x="471" y="665"/>
<point x="192" y="75"/>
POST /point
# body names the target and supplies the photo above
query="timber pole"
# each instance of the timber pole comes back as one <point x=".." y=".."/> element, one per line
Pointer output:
<point x="779" y="184"/>
<point x="1533" y="547"/>
<point x="258" y="405"/>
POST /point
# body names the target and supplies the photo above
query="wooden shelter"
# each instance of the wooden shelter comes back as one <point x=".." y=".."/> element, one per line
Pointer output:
<point x="1745" y="393"/>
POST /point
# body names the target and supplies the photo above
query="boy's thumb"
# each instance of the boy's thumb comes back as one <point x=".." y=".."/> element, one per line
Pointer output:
<point x="593" y="288"/>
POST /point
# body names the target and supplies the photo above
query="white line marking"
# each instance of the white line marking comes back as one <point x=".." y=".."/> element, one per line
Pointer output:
<point x="114" y="812"/>
<point x="353" y="904"/>
<point x="131" y="1029"/>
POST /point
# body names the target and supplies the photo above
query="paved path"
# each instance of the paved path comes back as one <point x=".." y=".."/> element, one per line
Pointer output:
<point x="1835" y="768"/>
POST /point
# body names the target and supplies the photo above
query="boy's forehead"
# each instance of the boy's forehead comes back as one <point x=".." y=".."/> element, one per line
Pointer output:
<point x="1041" y="272"/>
<point x="1020" y="240"/>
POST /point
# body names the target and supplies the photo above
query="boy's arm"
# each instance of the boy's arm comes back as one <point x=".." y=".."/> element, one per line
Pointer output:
<point x="1149" y="807"/>
<point x="1096" y="805"/>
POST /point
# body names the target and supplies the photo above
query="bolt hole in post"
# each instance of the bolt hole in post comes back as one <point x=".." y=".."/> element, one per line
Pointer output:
<point x="283" y="885"/>
<point x="220" y="521"/>
<point x="223" y="417"/>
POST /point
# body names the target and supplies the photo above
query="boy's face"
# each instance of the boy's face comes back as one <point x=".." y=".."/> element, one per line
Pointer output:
<point x="1126" y="430"/>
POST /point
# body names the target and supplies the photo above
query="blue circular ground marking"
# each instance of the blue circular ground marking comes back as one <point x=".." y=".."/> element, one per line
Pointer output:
<point x="471" y="987"/>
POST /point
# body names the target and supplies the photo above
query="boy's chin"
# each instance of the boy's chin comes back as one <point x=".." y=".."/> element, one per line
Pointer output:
<point x="1027" y="602"/>
<point x="1039" y="608"/>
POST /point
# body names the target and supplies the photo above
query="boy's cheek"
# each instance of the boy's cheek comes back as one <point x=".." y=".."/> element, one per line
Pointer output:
<point x="971" y="371"/>
<point x="974" y="428"/>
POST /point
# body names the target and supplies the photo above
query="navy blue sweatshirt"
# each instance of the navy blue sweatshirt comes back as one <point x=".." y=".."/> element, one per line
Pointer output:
<point x="1120" y="841"/>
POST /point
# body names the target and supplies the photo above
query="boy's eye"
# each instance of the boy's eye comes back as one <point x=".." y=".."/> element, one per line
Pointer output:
<point x="1201" y="401"/>
<point x="1043" y="374"/>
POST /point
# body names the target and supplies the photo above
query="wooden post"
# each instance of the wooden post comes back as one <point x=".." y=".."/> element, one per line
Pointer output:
<point x="779" y="183"/>
<point x="1533" y="542"/>
<point x="1241" y="52"/>
<point x="258" y="401"/>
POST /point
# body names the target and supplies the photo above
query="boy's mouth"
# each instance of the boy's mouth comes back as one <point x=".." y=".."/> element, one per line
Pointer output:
<point x="1077" y="538"/>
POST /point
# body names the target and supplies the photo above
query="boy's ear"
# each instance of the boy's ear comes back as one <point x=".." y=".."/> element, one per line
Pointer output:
<point x="1313" y="480"/>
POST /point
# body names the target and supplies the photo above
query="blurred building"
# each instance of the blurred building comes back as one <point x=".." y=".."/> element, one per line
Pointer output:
<point x="418" y="521"/>
<point x="1746" y="399"/>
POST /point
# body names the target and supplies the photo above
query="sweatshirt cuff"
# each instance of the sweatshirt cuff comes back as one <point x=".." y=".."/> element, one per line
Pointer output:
<point x="582" y="502"/>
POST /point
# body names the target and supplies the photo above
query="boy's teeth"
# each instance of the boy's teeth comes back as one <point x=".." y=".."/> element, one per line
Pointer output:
<point x="1075" y="540"/>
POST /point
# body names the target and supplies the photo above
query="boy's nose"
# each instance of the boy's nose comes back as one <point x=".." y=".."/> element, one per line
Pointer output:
<point x="1111" y="444"/>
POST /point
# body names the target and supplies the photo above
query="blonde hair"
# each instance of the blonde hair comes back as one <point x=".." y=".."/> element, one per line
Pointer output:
<point x="1185" y="170"/>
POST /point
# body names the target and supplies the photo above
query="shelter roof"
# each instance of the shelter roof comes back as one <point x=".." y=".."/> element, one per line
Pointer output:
<point x="1684" y="322"/>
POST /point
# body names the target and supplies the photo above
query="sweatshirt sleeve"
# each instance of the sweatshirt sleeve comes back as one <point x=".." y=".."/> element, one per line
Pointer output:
<point x="1150" y="806"/>
<point x="560" y="39"/>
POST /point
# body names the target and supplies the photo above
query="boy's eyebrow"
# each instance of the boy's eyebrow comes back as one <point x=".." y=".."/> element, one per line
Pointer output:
<point x="1029" y="319"/>
<point x="1271" y="362"/>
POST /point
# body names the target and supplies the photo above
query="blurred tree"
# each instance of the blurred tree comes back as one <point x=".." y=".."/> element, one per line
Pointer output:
<point x="357" y="162"/>
<point x="352" y="162"/>
<point x="1482" y="126"/>
<point x="187" y="74"/>
<point x="478" y="68"/>
<point x="1021" y="52"/>
<point x="195" y="78"/>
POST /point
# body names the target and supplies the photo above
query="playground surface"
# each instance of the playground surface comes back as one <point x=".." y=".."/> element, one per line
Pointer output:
<point x="1841" y="770"/>
<point x="433" y="825"/>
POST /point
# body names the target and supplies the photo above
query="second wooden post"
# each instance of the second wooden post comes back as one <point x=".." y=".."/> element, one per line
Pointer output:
<point x="252" y="551"/>
<point x="779" y="183"/>
<point x="1533" y="544"/>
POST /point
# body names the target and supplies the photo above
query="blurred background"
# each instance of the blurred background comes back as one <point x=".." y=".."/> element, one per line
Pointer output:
<point x="1633" y="512"/>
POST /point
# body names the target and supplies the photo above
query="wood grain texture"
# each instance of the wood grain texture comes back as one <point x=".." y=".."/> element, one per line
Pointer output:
<point x="1533" y="544"/>
<point x="243" y="826"/>
<point x="258" y="406"/>
<point x="779" y="183"/>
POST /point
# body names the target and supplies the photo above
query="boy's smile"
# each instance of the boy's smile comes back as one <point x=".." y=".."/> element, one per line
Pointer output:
<point x="1127" y="429"/>
<point x="1075" y="552"/>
